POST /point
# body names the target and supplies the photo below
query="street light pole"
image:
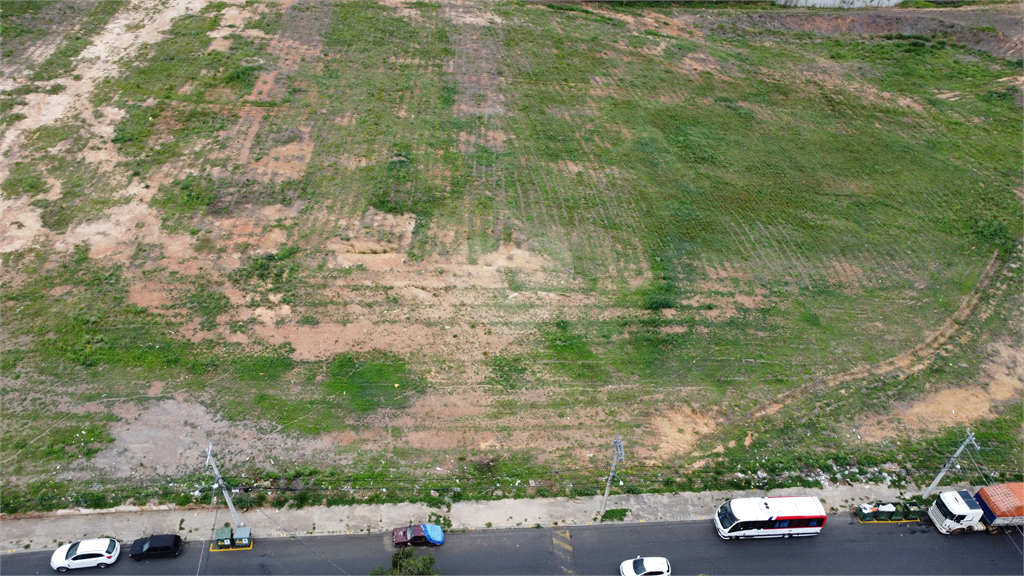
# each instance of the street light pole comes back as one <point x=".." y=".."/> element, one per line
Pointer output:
<point x="620" y="456"/>
<point x="949" y="464"/>
<point x="223" y="486"/>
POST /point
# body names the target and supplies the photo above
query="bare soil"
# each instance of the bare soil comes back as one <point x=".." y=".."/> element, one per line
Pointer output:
<point x="1002" y="382"/>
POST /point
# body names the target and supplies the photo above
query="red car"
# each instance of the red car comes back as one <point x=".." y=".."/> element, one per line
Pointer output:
<point x="418" y="535"/>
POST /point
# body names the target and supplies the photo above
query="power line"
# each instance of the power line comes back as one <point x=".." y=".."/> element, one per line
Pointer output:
<point x="300" y="540"/>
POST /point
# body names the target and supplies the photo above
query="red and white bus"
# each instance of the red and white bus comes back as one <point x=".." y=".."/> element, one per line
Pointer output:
<point x="778" y="517"/>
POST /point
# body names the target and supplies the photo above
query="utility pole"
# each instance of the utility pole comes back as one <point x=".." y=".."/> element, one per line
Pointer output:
<point x="620" y="456"/>
<point x="949" y="464"/>
<point x="224" y="487"/>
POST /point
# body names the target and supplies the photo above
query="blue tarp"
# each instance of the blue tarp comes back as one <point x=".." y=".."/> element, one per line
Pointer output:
<point x="434" y="534"/>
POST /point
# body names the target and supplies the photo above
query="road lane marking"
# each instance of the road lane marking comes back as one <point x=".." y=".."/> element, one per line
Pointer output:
<point x="563" y="550"/>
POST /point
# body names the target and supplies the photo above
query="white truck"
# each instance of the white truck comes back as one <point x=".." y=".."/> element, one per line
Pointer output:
<point x="994" y="509"/>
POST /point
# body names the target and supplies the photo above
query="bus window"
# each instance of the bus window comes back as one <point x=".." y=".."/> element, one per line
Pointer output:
<point x="740" y="527"/>
<point x="782" y="524"/>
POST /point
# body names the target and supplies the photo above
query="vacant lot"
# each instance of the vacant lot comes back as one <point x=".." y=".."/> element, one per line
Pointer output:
<point x="465" y="244"/>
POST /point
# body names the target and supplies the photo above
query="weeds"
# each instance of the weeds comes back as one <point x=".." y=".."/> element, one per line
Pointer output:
<point x="571" y="354"/>
<point x="614" y="515"/>
<point x="371" y="381"/>
<point x="24" y="179"/>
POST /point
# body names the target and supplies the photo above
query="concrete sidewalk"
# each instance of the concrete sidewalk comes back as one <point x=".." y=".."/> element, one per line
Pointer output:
<point x="48" y="530"/>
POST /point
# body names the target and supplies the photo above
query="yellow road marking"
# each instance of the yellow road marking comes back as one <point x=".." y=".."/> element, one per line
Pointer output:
<point x="562" y="544"/>
<point x="212" y="549"/>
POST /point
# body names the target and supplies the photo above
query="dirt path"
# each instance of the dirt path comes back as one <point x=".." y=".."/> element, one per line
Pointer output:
<point x="909" y="362"/>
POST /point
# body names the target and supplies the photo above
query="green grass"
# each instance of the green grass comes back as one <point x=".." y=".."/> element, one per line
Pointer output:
<point x="229" y="74"/>
<point x="614" y="515"/>
<point x="183" y="200"/>
<point x="24" y="178"/>
<point x="93" y="325"/>
<point x="371" y="381"/>
<point x="509" y="372"/>
<point x="61" y="62"/>
<point x="206" y="302"/>
<point x="570" y="354"/>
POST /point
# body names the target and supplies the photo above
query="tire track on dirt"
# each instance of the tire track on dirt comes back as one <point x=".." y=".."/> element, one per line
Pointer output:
<point x="910" y="361"/>
<point x="477" y="42"/>
<point x="620" y="256"/>
<point x="596" y="241"/>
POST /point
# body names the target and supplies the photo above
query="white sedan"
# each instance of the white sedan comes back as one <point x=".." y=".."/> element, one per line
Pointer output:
<point x="98" y="552"/>
<point x="649" y="566"/>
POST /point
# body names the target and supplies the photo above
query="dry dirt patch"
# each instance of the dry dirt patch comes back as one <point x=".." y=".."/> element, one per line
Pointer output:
<point x="287" y="162"/>
<point x="170" y="437"/>
<point x="678" y="430"/>
<point x="148" y="295"/>
<point x="1003" y="374"/>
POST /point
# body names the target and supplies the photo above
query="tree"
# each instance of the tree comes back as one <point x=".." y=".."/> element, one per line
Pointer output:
<point x="405" y="562"/>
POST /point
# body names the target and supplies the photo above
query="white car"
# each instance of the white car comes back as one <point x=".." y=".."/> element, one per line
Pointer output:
<point x="98" y="552"/>
<point x="649" y="566"/>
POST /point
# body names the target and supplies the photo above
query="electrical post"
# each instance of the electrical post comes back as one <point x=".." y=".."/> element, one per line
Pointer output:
<point x="949" y="464"/>
<point x="224" y="487"/>
<point x="620" y="456"/>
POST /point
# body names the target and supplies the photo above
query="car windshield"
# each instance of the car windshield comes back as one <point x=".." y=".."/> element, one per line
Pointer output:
<point x="725" y="517"/>
<point x="638" y="566"/>
<point x="72" y="551"/>
<point x="408" y="533"/>
<point x="145" y="545"/>
<point x="111" y="545"/>
<point x="944" y="510"/>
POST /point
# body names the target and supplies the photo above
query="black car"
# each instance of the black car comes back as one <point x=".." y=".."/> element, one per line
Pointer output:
<point x="156" y="546"/>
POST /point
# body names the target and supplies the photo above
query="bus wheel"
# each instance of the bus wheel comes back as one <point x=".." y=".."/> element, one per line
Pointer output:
<point x="786" y="536"/>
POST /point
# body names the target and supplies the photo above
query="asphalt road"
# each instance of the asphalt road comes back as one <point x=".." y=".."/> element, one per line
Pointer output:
<point x="844" y="547"/>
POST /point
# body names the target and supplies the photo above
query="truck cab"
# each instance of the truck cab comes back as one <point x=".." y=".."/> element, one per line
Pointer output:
<point x="956" y="512"/>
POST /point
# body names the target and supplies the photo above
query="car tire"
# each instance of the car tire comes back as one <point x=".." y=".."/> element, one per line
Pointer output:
<point x="102" y="565"/>
<point x="62" y="569"/>
<point x="958" y="532"/>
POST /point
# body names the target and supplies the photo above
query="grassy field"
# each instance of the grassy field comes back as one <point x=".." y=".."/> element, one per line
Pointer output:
<point x="484" y="238"/>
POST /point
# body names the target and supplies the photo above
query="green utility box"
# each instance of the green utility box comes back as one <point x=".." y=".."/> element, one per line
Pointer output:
<point x="242" y="537"/>
<point x="866" y="512"/>
<point x="885" y="511"/>
<point x="900" y="512"/>
<point x="223" y="537"/>
<point x="913" y="511"/>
